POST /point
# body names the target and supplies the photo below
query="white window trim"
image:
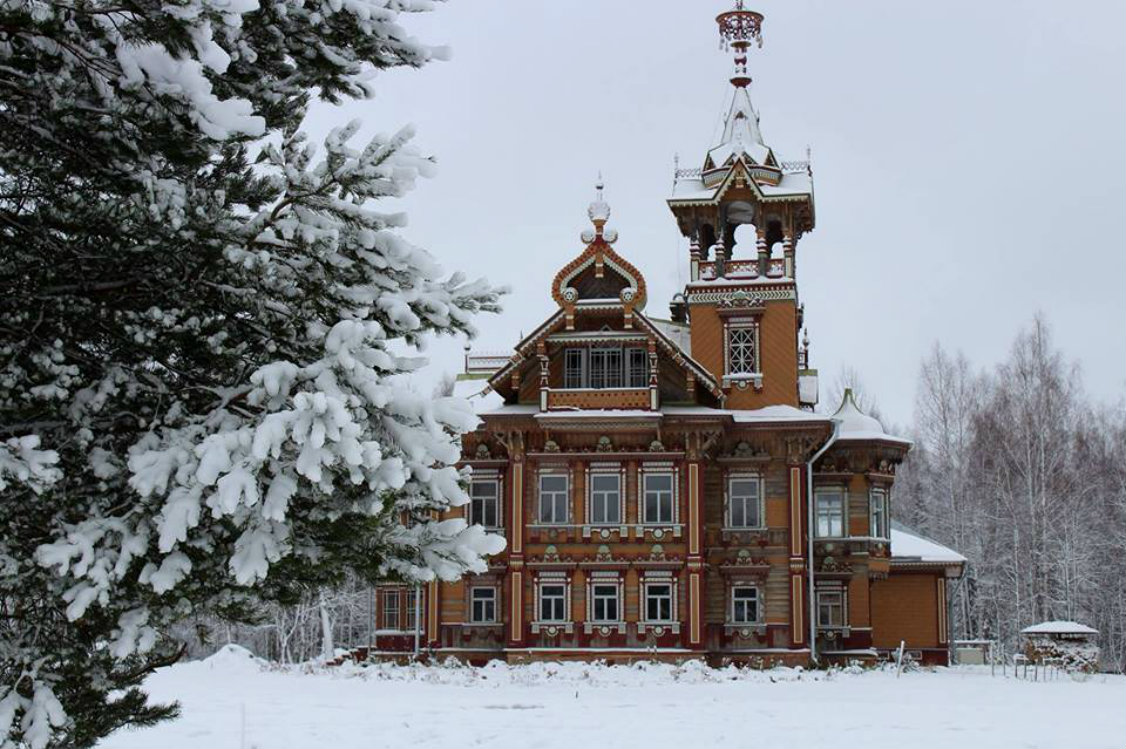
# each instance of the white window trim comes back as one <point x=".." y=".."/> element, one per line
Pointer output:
<point x="729" y="525"/>
<point x="605" y="470"/>
<point x="496" y="604"/>
<point x="658" y="470"/>
<point x="492" y="477"/>
<point x="567" y="511"/>
<point x="884" y="499"/>
<point x="609" y="578"/>
<point x="759" y="605"/>
<point x="834" y="489"/>
<point x="673" y="613"/>
<point x="553" y="578"/>
<point x="754" y="376"/>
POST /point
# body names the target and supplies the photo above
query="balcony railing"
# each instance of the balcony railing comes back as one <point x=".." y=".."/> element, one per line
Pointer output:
<point x="740" y="269"/>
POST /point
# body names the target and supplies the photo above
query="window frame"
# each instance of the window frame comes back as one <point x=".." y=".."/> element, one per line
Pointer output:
<point x="646" y="594"/>
<point x="841" y="606"/>
<point x="565" y="599"/>
<point x="749" y="326"/>
<point x="493" y="601"/>
<point x="606" y="374"/>
<point x="642" y="380"/>
<point x="735" y="599"/>
<point x="593" y="475"/>
<point x="615" y="588"/>
<point x="496" y="498"/>
<point x="566" y="498"/>
<point x="385" y="596"/>
<point x="643" y="498"/>
<point x="879" y="499"/>
<point x="759" y="501"/>
<point x="568" y="371"/>
<point x="842" y="494"/>
<point x="413" y="611"/>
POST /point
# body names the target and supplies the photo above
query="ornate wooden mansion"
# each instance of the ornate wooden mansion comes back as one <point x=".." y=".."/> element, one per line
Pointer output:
<point x="665" y="487"/>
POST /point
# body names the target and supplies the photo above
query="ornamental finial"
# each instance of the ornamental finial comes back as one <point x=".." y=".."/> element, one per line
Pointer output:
<point x="737" y="29"/>
<point x="599" y="210"/>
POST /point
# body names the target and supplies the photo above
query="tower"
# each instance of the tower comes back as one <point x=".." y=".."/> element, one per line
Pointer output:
<point x="742" y="303"/>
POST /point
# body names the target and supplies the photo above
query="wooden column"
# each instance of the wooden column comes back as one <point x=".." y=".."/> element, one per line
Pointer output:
<point x="799" y="597"/>
<point x="696" y="634"/>
<point x="516" y="569"/>
<point x="433" y="593"/>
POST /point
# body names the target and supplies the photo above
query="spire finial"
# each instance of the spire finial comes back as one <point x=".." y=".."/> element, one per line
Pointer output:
<point x="737" y="29"/>
<point x="599" y="210"/>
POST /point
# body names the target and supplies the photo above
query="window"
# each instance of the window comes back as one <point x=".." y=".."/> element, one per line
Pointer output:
<point x="606" y="368"/>
<point x="484" y="505"/>
<point x="878" y="513"/>
<point x="830" y="513"/>
<point x="553" y="602"/>
<point x="830" y="608"/>
<point x="658" y="602"/>
<point x="741" y="350"/>
<point x="744" y="604"/>
<point x="390" y="609"/>
<point x="574" y="368"/>
<point x="553" y="498"/>
<point x="744" y="501"/>
<point x="638" y="364"/>
<point x="605" y="498"/>
<point x="483" y="603"/>
<point x="658" y="505"/>
<point x="412" y="610"/>
<point x="605" y="602"/>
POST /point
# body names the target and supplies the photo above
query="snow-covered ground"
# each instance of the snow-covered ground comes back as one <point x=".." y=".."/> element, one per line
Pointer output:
<point x="231" y="700"/>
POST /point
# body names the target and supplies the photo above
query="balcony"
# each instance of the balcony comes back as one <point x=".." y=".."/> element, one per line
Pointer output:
<point x="743" y="269"/>
<point x="601" y="398"/>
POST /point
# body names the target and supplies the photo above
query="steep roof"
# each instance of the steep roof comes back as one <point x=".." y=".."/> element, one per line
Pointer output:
<point x="741" y="134"/>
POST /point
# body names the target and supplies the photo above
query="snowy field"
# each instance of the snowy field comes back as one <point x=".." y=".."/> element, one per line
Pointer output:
<point x="230" y="700"/>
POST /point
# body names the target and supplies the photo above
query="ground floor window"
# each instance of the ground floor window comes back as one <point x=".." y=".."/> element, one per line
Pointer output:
<point x="605" y="603"/>
<point x="553" y="602"/>
<point x="658" y="602"/>
<point x="390" y="609"/>
<point x="830" y="608"/>
<point x="412" y="610"/>
<point x="483" y="603"/>
<point x="744" y="604"/>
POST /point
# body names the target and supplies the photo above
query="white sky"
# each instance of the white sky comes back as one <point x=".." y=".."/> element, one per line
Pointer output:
<point x="968" y="159"/>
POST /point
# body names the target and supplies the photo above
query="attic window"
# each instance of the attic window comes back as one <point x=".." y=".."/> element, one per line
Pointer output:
<point x="605" y="367"/>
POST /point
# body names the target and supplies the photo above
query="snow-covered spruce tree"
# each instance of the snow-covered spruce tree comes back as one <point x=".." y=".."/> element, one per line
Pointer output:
<point x="202" y="359"/>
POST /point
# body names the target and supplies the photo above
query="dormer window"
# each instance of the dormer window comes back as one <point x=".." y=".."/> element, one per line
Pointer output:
<point x="604" y="367"/>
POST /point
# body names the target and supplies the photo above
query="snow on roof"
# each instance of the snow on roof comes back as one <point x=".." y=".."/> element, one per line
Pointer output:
<point x="677" y="332"/>
<point x="857" y="425"/>
<point x="1059" y="628"/>
<point x="599" y="413"/>
<point x="907" y="545"/>
<point x="767" y="414"/>
<point x="740" y="132"/>
<point x="477" y="392"/>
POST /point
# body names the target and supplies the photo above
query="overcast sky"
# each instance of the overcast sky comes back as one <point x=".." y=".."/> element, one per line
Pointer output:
<point x="969" y="160"/>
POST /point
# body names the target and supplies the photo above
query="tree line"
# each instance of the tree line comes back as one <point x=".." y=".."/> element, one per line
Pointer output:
<point x="1021" y="472"/>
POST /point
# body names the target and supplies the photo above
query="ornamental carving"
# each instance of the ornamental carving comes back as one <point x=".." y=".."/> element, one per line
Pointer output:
<point x="483" y="452"/>
<point x="656" y="446"/>
<point x="604" y="444"/>
<point x="551" y="446"/>
<point x="832" y="564"/>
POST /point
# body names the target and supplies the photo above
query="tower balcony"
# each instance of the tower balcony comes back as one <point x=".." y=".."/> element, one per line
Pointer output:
<point x="743" y="269"/>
